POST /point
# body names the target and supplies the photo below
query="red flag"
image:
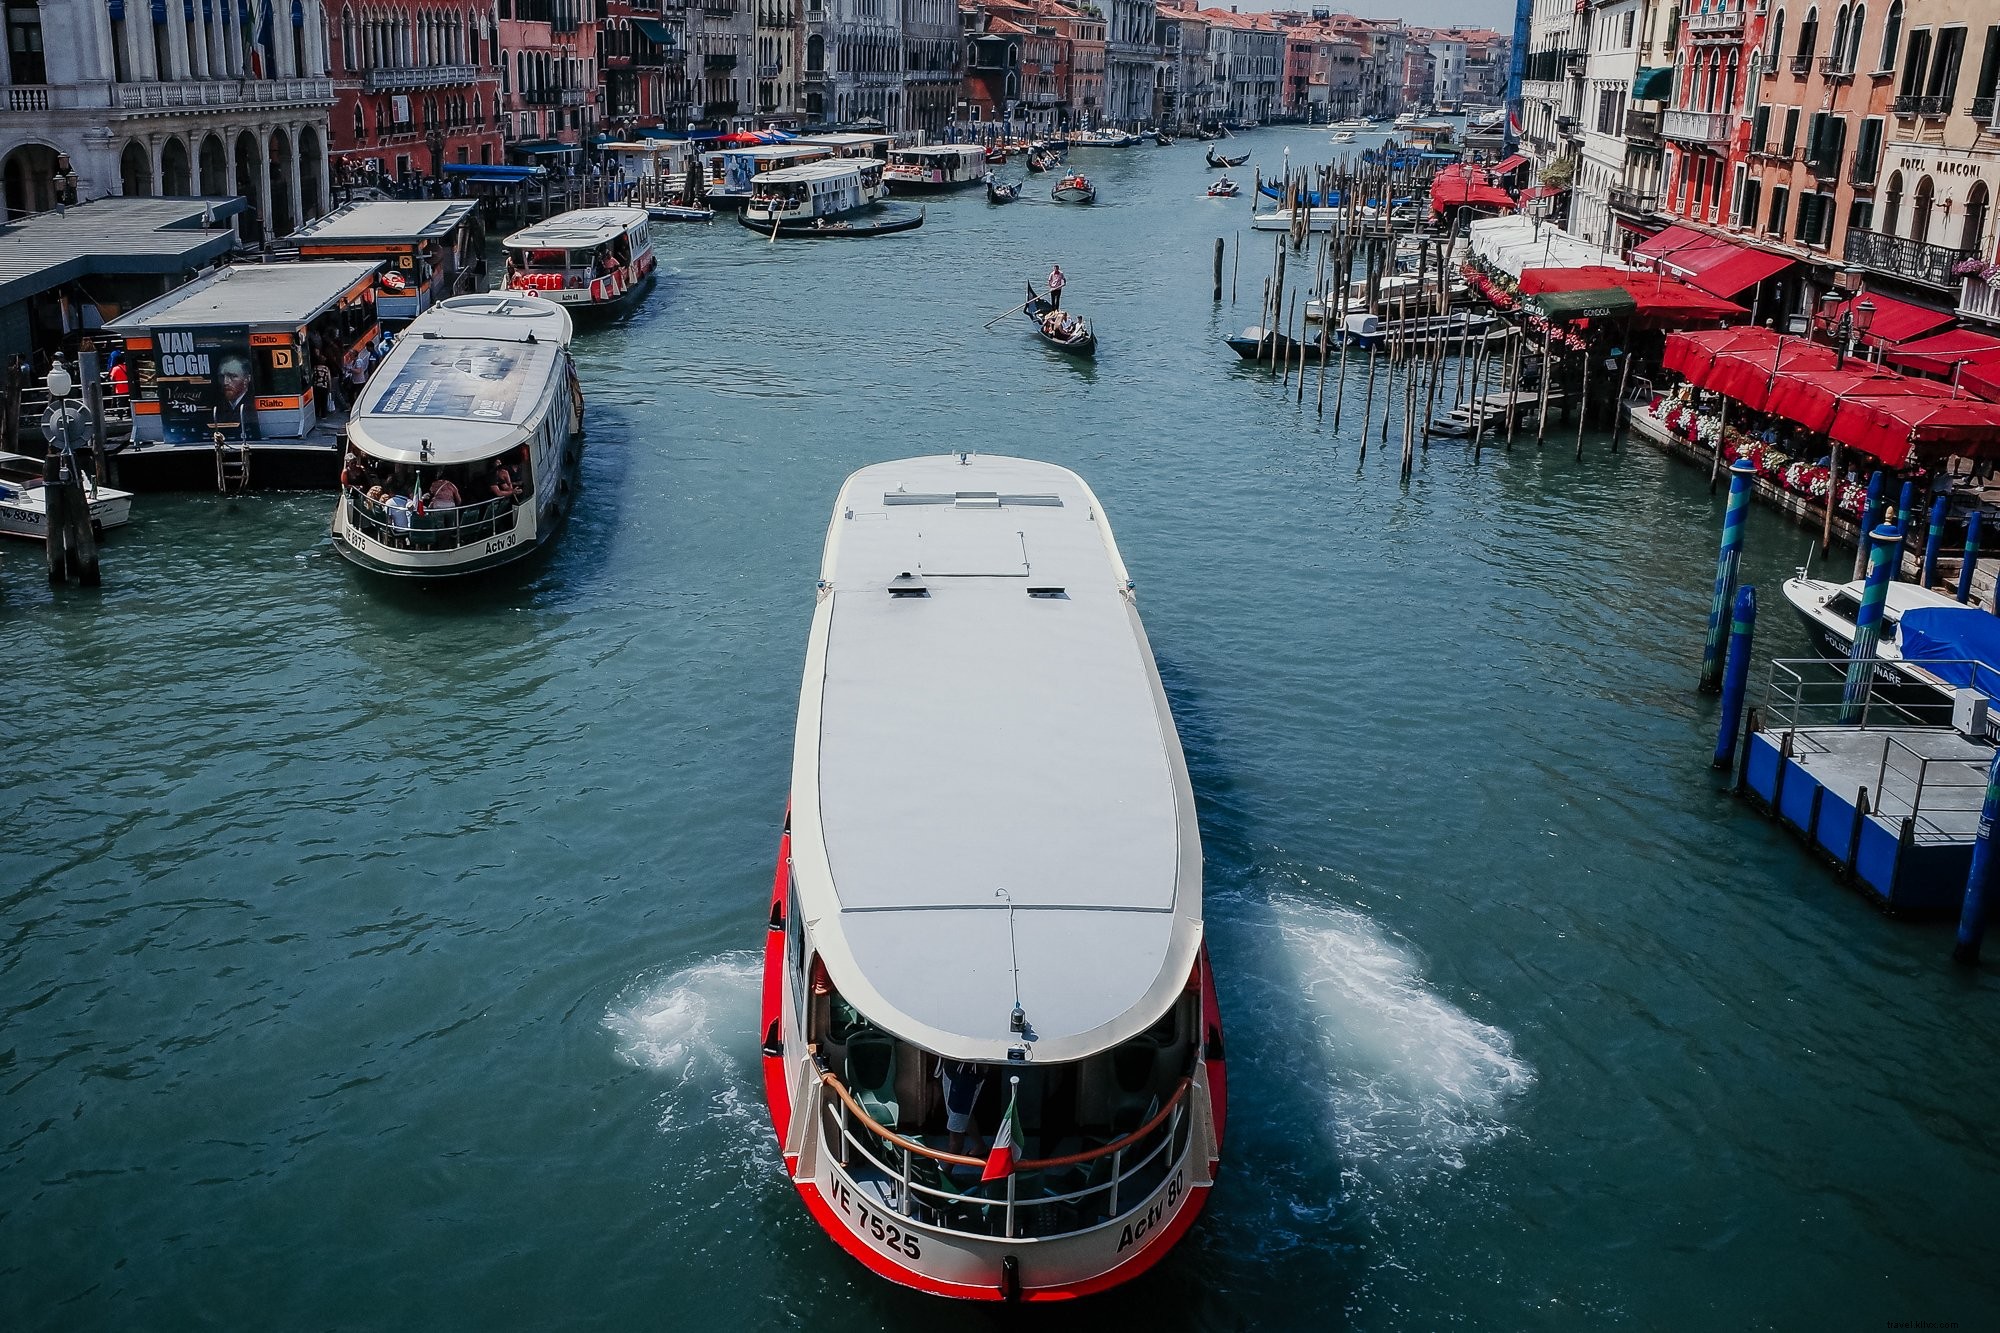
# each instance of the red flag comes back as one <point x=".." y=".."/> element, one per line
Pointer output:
<point x="1000" y="1162"/>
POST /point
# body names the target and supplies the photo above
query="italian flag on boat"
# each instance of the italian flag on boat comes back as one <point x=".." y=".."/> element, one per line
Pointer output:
<point x="1000" y="1162"/>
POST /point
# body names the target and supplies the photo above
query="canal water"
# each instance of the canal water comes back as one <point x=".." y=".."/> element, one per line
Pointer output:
<point x="376" y="957"/>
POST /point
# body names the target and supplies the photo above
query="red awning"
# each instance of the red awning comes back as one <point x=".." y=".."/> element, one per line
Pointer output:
<point x="1458" y="186"/>
<point x="1746" y="373"/>
<point x="1507" y="164"/>
<point x="1659" y="299"/>
<point x="1896" y="429"/>
<point x="1983" y="379"/>
<point x="1691" y="354"/>
<point x="1718" y="266"/>
<point x="1894" y="322"/>
<point x="1534" y="192"/>
<point x="1939" y="354"/>
<point x="1810" y="397"/>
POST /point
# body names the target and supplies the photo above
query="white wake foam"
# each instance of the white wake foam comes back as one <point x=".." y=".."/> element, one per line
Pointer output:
<point x="698" y="1026"/>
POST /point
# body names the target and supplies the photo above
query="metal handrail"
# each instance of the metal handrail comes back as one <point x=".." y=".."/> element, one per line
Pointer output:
<point x="831" y="1080"/>
<point x="1792" y="700"/>
<point x="490" y="516"/>
<point x="1914" y="805"/>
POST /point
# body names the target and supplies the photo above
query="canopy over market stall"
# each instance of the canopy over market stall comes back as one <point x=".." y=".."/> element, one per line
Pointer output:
<point x="1713" y="263"/>
<point x="1656" y="300"/>
<point x="1515" y="243"/>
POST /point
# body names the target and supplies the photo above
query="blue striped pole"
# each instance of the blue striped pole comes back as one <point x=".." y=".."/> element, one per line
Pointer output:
<point x="1972" y="916"/>
<point x="1905" y="506"/>
<point x="1740" y="475"/>
<point x="1869" y="509"/>
<point x="1736" y="676"/>
<point x="1933" y="539"/>
<point x="1971" y="561"/>
<point x="1886" y="549"/>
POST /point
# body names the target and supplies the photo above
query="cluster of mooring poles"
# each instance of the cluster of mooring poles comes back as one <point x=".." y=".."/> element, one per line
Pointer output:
<point x="1359" y="246"/>
<point x="1732" y="620"/>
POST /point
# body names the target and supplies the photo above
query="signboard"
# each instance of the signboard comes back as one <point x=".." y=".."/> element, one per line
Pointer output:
<point x="205" y="379"/>
<point x="466" y="380"/>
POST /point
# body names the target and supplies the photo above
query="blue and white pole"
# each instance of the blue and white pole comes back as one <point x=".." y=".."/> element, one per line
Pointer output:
<point x="1870" y="508"/>
<point x="1972" y="916"/>
<point x="1933" y="539"/>
<point x="1905" y="506"/>
<point x="1736" y="676"/>
<point x="1885" y="550"/>
<point x="1971" y="561"/>
<point x="1741" y="474"/>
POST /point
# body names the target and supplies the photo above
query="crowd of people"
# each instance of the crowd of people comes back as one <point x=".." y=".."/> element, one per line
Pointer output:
<point x="399" y="498"/>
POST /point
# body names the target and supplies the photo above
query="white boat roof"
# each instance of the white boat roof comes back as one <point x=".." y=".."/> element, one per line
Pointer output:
<point x="848" y="140"/>
<point x="813" y="171"/>
<point x="988" y="775"/>
<point x="464" y="381"/>
<point x="253" y="294"/>
<point x="939" y="150"/>
<point x="762" y="150"/>
<point x="395" y="222"/>
<point x="578" y="228"/>
<point x="1900" y="595"/>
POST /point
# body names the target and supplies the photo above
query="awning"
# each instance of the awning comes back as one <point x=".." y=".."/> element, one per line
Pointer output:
<point x="1983" y="380"/>
<point x="542" y="148"/>
<point x="1939" y="354"/>
<point x="1896" y="430"/>
<point x="1810" y="397"/>
<point x="1692" y="354"/>
<point x="1716" y="265"/>
<point x="485" y="171"/>
<point x="1586" y="303"/>
<point x="1747" y="373"/>
<point x="655" y="31"/>
<point x="1534" y="192"/>
<point x="1506" y="164"/>
<point x="1654" y="85"/>
<point x="1461" y="186"/>
<point x="1895" y="321"/>
<point x="1513" y="244"/>
<point x="1658" y="300"/>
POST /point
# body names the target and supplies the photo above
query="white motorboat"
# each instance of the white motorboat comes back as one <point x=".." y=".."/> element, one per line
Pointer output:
<point x="464" y="449"/>
<point x="588" y="259"/>
<point x="24" y="511"/>
<point x="1929" y="643"/>
<point x="1281" y="219"/>
<point x="992" y="1050"/>
<point x="937" y="168"/>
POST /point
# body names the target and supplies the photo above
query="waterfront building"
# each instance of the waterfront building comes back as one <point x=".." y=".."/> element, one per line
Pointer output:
<point x="1295" y="92"/>
<point x="1045" y="78"/>
<point x="1552" y="92"/>
<point x="1611" y="37"/>
<point x="1383" y="43"/>
<point x="1632" y="202"/>
<point x="1089" y="56"/>
<point x="548" y="50"/>
<point x="642" y="50"/>
<point x="864" y="62"/>
<point x="995" y="36"/>
<point x="415" y="86"/>
<point x="1246" y="62"/>
<point x="1185" y="89"/>
<point x="775" y="72"/>
<point x="1447" y="52"/>
<point x="933" y="63"/>
<point x="1486" y="58"/>
<point x="175" y="100"/>
<point x="1130" y="53"/>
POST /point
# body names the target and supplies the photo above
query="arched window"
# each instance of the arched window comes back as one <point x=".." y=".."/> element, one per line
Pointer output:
<point x="815" y="54"/>
<point x="1777" y="40"/>
<point x="1729" y="87"/>
<point x="1920" y="210"/>
<point x="1839" y="42"/>
<point x="1892" y="205"/>
<point x="1976" y="204"/>
<point x="1850" y="59"/>
<point x="360" y="125"/>
<point x="1892" y="35"/>
<point x="1809" y="32"/>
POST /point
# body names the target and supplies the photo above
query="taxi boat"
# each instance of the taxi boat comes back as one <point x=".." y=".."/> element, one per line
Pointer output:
<point x="992" y="1050"/>
<point x="587" y="259"/>
<point x="480" y="392"/>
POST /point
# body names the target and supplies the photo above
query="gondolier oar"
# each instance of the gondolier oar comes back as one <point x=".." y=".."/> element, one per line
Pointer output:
<point x="1012" y="310"/>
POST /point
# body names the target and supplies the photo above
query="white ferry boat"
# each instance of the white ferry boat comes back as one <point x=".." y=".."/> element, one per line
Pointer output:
<point x="877" y="146"/>
<point x="463" y="451"/>
<point x="588" y="259"/>
<point x="816" y="190"/>
<point x="992" y="1049"/>
<point x="24" y="510"/>
<point x="728" y="173"/>
<point x="941" y="166"/>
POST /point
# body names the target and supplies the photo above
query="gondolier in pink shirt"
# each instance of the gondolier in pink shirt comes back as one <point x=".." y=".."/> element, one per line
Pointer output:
<point x="1055" y="286"/>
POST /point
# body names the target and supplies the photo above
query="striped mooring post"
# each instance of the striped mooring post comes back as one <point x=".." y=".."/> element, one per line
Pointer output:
<point x="1741" y="474"/>
<point x="1883" y="555"/>
<point x="1933" y="539"/>
<point x="1904" y="505"/>
<point x="1972" y="915"/>
<point x="1737" y="675"/>
<point x="1971" y="561"/>
<point x="1870" y="508"/>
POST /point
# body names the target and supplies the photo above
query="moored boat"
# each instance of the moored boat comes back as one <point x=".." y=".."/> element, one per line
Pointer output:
<point x="994" y="1063"/>
<point x="1284" y="219"/>
<point x="667" y="210"/>
<point x="1258" y="344"/>
<point x="464" y="447"/>
<point x="24" y="509"/>
<point x="939" y="167"/>
<point x="1064" y="330"/>
<point x="1074" y="189"/>
<point x="1930" y="645"/>
<point x="598" y="259"/>
<point x="883" y="221"/>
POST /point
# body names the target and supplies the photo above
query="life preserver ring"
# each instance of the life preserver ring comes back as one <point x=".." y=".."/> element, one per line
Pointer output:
<point x="393" y="282"/>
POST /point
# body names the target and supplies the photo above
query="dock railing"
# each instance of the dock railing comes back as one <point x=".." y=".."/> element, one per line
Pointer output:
<point x="1812" y="692"/>
<point x="1907" y="778"/>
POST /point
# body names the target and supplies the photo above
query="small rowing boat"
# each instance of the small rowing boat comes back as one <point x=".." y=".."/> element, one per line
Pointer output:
<point x="1224" y="188"/>
<point x="1064" y="331"/>
<point x="996" y="193"/>
<point x="1258" y="344"/>
<point x="1220" y="162"/>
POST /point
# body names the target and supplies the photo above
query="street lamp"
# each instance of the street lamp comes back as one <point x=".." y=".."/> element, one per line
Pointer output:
<point x="1855" y="321"/>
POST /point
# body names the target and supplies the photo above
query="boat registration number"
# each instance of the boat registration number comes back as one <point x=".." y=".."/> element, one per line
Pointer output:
<point x="877" y="1225"/>
<point x="1162" y="1208"/>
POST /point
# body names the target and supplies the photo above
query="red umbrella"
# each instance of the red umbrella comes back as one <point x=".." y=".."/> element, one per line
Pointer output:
<point x="1895" y="430"/>
<point x="1745" y="373"/>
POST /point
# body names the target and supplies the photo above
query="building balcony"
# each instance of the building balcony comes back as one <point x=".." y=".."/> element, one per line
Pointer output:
<point x="1712" y="128"/>
<point x="1912" y="105"/>
<point x="1801" y="66"/>
<point x="1978" y="300"/>
<point x="541" y="96"/>
<point x="432" y="76"/>
<point x="579" y="96"/>
<point x="719" y="60"/>
<point x="769" y="69"/>
<point x="1637" y="203"/>
<point x="1897" y="257"/>
<point x="1981" y="109"/>
<point x="719" y="8"/>
<point x="1710" y="25"/>
<point x="1833" y="71"/>
<point x="1642" y="127"/>
<point x="717" y="110"/>
<point x="221" y="95"/>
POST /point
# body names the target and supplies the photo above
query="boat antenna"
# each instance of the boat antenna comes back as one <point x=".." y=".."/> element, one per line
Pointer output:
<point x="1016" y="1021"/>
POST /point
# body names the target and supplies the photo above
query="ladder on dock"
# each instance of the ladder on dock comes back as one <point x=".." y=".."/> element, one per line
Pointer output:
<point x="232" y="465"/>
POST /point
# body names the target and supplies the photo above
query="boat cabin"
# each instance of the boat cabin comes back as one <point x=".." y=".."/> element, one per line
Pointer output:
<point x="877" y="146"/>
<point x="461" y="451"/>
<point x="816" y="190"/>
<point x="589" y="257"/>
<point x="430" y="249"/>
<point x="728" y="172"/>
<point x="660" y="164"/>
<point x="237" y="353"/>
<point x="1434" y="136"/>
<point x="947" y="166"/>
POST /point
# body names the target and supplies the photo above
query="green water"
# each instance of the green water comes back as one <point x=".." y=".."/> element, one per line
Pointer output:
<point x="383" y="958"/>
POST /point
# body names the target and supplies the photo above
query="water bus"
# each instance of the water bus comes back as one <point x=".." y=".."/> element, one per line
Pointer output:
<point x="829" y="189"/>
<point x="944" y="166"/>
<point x="463" y="451"/>
<point x="24" y="509"/>
<point x="992" y="1050"/>
<point x="588" y="259"/>
<point x="877" y="146"/>
<point x="728" y="172"/>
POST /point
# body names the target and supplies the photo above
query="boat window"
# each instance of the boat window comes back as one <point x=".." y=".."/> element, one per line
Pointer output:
<point x="1844" y="605"/>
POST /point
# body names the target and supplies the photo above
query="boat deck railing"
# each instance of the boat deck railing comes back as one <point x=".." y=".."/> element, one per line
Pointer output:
<point x="1814" y="692"/>
<point x="1042" y="1198"/>
<point x="434" y="529"/>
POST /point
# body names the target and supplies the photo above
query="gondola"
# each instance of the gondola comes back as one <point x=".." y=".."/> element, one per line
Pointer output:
<point x="1163" y="139"/>
<point x="880" y="224"/>
<point x="1081" y="343"/>
<point x="1254" y="344"/>
<point x="1224" y="188"/>
<point x="1074" y="189"/>
<point x="996" y="193"/>
<point x="1220" y="162"/>
<point x="1207" y="136"/>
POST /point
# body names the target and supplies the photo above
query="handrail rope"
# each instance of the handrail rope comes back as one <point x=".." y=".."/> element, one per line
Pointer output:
<point x="1041" y="1164"/>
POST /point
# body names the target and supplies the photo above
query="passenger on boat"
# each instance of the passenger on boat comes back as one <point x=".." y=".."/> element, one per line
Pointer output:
<point x="962" y="1081"/>
<point x="502" y="485"/>
<point x="443" y="494"/>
